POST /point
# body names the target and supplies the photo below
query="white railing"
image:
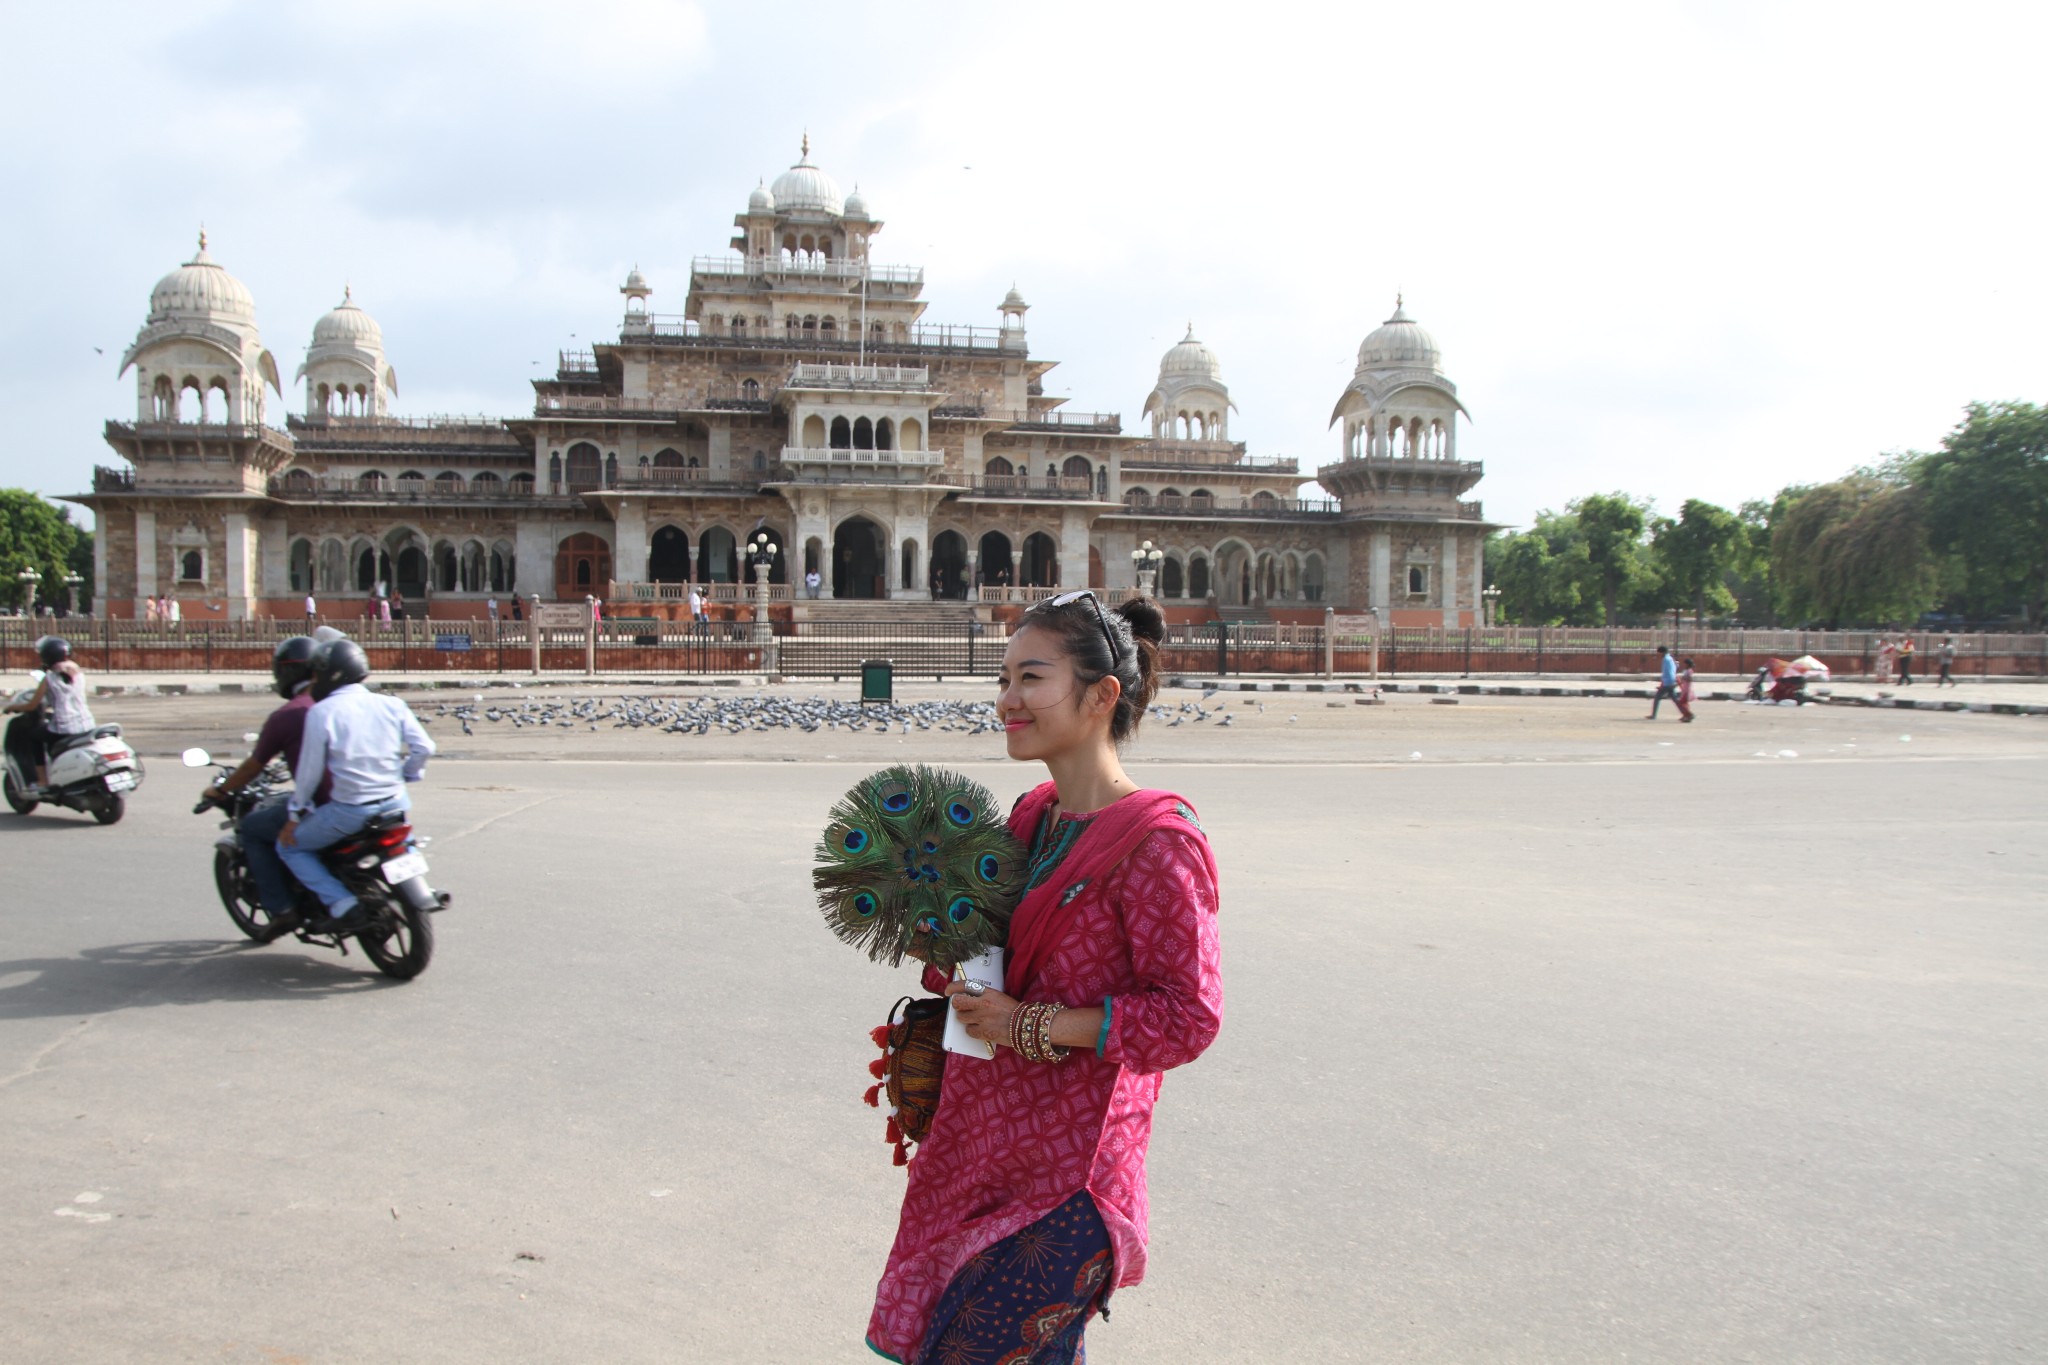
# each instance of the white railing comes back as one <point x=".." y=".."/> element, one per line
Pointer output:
<point x="815" y="268"/>
<point x="799" y="456"/>
<point x="623" y="593"/>
<point x="860" y="377"/>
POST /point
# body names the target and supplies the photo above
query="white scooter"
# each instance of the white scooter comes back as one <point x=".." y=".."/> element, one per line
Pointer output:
<point x="92" y="772"/>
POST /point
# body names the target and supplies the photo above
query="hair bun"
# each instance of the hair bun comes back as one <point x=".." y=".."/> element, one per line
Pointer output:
<point x="1145" y="619"/>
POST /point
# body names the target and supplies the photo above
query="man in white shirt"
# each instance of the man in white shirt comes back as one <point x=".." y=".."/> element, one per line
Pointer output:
<point x="813" y="581"/>
<point x="698" y="618"/>
<point x="368" y="746"/>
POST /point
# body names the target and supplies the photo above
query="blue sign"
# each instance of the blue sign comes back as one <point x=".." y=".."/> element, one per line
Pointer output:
<point x="452" y="643"/>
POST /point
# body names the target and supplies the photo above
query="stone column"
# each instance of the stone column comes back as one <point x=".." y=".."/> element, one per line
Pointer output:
<point x="911" y="526"/>
<point x="1447" y="581"/>
<point x="1382" y="570"/>
<point x="534" y="550"/>
<point x="145" y="560"/>
<point x="235" y="549"/>
<point x="101" y="588"/>
<point x="629" y="542"/>
<point x="1074" y="549"/>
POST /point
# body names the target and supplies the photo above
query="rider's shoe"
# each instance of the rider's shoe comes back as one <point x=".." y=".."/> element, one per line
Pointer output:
<point x="279" y="926"/>
<point x="358" y="918"/>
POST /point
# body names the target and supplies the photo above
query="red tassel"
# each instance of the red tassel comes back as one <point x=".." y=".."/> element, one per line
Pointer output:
<point x="902" y="1156"/>
<point x="880" y="1033"/>
<point x="879" y="1067"/>
<point x="873" y="1097"/>
<point x="894" y="1132"/>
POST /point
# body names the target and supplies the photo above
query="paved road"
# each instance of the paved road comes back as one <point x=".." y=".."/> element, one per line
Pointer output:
<point x="1575" y="1039"/>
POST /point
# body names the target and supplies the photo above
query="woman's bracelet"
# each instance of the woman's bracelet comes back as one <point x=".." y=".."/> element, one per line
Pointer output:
<point x="1031" y="1031"/>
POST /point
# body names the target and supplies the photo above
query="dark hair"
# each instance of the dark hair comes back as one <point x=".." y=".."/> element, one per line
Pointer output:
<point x="1085" y="629"/>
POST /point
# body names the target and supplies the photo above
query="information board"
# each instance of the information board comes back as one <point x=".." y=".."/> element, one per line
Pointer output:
<point x="561" y="616"/>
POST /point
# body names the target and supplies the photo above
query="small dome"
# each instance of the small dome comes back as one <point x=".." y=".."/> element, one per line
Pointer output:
<point x="1015" y="300"/>
<point x="635" y="280"/>
<point x="856" y="207"/>
<point x="347" y="325"/>
<point x="1190" y="357"/>
<point x="760" y="201"/>
<point x="1399" y="343"/>
<point x="803" y="187"/>
<point x="201" y="288"/>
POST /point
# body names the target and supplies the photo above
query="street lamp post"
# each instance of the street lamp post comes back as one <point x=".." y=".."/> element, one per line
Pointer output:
<point x="1492" y="599"/>
<point x="1145" y="559"/>
<point x="761" y="552"/>
<point x="71" y="582"/>
<point x="29" y="578"/>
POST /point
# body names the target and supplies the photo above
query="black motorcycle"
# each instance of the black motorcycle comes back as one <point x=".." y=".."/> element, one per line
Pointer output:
<point x="380" y="863"/>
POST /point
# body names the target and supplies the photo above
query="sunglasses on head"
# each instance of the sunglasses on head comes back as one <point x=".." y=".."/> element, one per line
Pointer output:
<point x="1108" y="636"/>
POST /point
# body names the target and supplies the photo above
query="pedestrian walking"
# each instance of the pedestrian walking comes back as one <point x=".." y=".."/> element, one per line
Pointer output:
<point x="1886" y="653"/>
<point x="312" y="611"/>
<point x="491" y="610"/>
<point x="1946" y="657"/>
<point x="1667" y="680"/>
<point x="518" y="607"/>
<point x="1682" y="698"/>
<point x="1906" y="660"/>
<point x="700" y="620"/>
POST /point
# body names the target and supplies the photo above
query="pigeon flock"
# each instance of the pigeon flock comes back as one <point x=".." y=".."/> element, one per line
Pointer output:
<point x="738" y="715"/>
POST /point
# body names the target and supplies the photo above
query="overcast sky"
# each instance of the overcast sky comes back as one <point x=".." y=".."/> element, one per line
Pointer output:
<point x="1680" y="250"/>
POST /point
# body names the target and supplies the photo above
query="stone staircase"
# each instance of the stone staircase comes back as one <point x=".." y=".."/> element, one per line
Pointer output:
<point x="907" y="613"/>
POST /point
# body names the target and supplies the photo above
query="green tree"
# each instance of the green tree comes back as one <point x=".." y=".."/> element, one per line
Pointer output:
<point x="1751" y="583"/>
<point x="1986" y="504"/>
<point x="38" y="535"/>
<point x="1697" y="554"/>
<point x="1854" y="551"/>
<point x="1543" y="573"/>
<point x="1612" y="524"/>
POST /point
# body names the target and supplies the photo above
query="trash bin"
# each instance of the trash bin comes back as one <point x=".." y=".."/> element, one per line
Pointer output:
<point x="877" y="681"/>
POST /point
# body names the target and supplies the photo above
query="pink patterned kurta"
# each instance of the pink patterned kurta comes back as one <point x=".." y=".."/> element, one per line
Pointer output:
<point x="1012" y="1139"/>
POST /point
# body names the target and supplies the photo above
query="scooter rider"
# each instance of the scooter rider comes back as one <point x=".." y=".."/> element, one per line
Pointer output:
<point x="62" y="693"/>
<point x="291" y="673"/>
<point x="354" y="737"/>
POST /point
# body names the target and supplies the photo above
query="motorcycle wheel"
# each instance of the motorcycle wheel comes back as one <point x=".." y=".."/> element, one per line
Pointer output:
<point x="18" y="803"/>
<point x="109" y="810"/>
<point x="401" y="953"/>
<point x="238" y="893"/>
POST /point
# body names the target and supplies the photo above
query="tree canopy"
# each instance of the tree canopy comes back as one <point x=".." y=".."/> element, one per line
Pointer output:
<point x="39" y="535"/>
<point x="1984" y="497"/>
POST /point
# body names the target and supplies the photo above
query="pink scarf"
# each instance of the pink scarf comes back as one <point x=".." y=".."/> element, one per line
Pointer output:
<point x="1043" y="916"/>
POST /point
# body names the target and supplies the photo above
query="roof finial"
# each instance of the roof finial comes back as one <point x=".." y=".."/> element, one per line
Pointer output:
<point x="202" y="239"/>
<point x="348" y="292"/>
<point x="1397" y="300"/>
<point x="807" y="144"/>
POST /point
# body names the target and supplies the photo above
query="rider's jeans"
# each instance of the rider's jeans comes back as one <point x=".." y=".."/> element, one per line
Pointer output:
<point x="260" y="828"/>
<point x="330" y="824"/>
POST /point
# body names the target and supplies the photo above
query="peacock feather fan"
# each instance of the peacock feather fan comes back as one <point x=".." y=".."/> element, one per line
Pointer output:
<point x="917" y="863"/>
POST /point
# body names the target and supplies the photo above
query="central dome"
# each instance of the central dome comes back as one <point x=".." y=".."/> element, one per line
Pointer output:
<point x="347" y="324"/>
<point x="1399" y="343"/>
<point x="804" y="188"/>
<point x="201" y="288"/>
<point x="1191" y="357"/>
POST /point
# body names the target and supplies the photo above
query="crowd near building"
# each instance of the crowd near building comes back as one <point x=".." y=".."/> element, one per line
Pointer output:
<point x="800" y="409"/>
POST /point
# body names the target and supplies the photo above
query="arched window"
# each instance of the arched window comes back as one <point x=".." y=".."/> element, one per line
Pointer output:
<point x="585" y="466"/>
<point x="814" y="432"/>
<point x="1077" y="467"/>
<point x="447" y="481"/>
<point x="446" y="571"/>
<point x="583" y="564"/>
<point x="1170" y="577"/>
<point x="998" y="468"/>
<point x="1137" y="497"/>
<point x="485" y="484"/>
<point x="301" y="565"/>
<point x="810" y="326"/>
<point x="842" y="434"/>
<point x="863" y="434"/>
<point x="555" y="471"/>
<point x="912" y="434"/>
<point x="739" y="326"/>
<point x="192" y="567"/>
<point x="793" y="324"/>
<point x="520" y="485"/>
<point x="1201" y="500"/>
<point x="372" y="479"/>
<point x="1198" y="575"/>
<point x="1265" y="500"/>
<point x="885" y="434"/>
<point x="750" y="389"/>
<point x="825" y="328"/>
<point x="611" y="469"/>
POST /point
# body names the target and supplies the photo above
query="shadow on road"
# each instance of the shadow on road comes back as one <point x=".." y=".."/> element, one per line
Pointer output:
<point x="178" y="972"/>
<point x="40" y="820"/>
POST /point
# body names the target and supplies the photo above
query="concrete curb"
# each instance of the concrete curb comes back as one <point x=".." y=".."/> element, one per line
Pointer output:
<point x="434" y="685"/>
<point x="1466" y="689"/>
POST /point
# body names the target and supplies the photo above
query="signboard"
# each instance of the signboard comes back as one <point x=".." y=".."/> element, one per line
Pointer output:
<point x="1354" y="625"/>
<point x="451" y="644"/>
<point x="561" y="615"/>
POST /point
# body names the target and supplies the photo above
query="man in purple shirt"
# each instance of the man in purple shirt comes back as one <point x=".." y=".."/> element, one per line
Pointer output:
<point x="291" y="673"/>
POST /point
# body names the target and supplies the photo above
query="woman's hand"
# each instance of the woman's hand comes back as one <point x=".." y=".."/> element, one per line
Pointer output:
<point x="985" y="1016"/>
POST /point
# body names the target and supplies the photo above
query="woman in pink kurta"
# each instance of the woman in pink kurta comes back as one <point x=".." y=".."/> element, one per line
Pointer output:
<point x="1026" y="1204"/>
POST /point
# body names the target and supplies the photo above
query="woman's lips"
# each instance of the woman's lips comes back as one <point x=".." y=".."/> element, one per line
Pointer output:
<point x="1015" y="724"/>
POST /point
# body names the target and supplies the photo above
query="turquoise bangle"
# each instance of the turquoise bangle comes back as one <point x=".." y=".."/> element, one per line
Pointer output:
<point x="1108" y="1013"/>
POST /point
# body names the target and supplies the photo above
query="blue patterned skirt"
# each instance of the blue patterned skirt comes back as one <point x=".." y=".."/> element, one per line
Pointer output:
<point x="1025" y="1300"/>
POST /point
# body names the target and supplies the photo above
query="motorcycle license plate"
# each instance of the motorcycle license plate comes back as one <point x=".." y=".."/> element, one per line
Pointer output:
<point x="120" y="782"/>
<point x="405" y="867"/>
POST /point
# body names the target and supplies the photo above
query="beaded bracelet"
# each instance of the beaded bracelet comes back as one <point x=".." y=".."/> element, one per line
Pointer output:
<point x="1031" y="1031"/>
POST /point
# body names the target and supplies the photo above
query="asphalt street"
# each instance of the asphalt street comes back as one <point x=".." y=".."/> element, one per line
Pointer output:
<point x="1553" y="1036"/>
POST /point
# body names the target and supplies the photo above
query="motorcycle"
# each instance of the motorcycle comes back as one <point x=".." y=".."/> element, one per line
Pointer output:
<point x="91" y="772"/>
<point x="381" y="864"/>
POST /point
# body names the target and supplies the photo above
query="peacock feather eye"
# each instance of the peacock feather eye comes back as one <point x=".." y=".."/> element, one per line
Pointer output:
<point x="960" y="813"/>
<point x="931" y="846"/>
<point x="865" y="905"/>
<point x="856" y="840"/>
<point x="959" y="908"/>
<point x="989" y="867"/>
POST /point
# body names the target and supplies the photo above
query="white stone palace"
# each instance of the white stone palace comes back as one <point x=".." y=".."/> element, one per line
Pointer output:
<point x="801" y="393"/>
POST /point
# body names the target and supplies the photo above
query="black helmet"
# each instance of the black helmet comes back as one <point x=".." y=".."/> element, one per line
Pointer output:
<point x="337" y="664"/>
<point x="54" y="650"/>
<point x="291" y="664"/>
